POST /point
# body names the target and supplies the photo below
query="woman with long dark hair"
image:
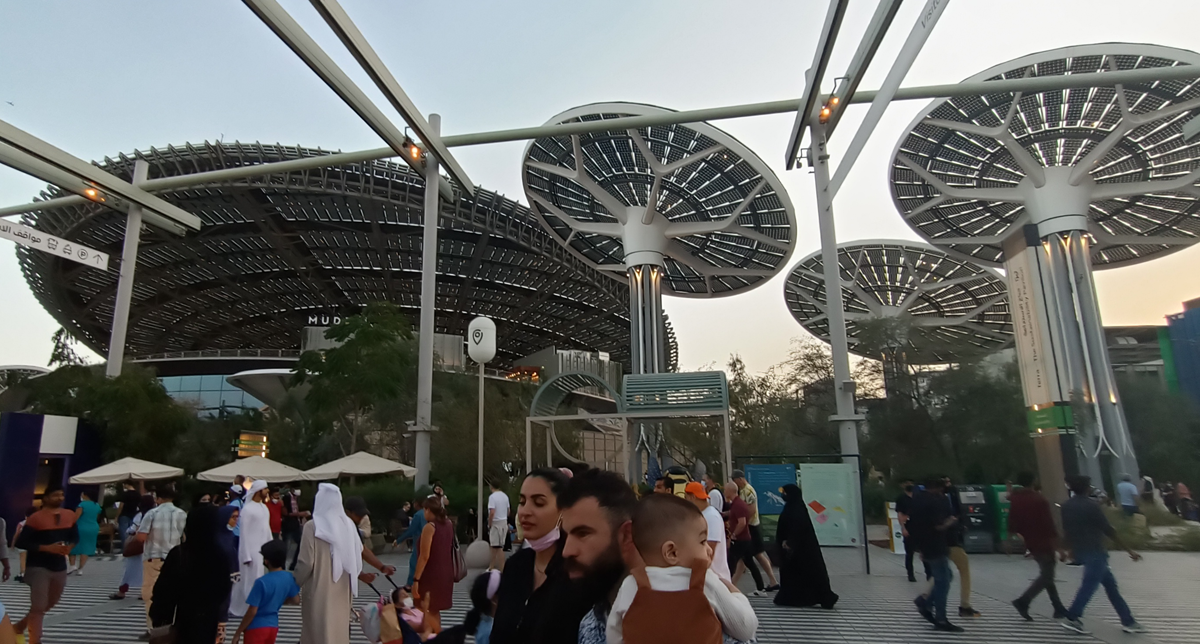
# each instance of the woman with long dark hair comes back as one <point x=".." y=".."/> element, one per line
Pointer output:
<point x="433" y="585"/>
<point x="536" y="603"/>
<point x="192" y="591"/>
<point x="803" y="578"/>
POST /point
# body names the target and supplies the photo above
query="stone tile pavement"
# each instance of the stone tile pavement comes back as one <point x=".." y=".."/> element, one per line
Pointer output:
<point x="876" y="609"/>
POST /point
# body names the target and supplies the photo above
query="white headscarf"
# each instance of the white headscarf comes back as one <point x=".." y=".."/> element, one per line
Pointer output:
<point x="260" y="484"/>
<point x="331" y="525"/>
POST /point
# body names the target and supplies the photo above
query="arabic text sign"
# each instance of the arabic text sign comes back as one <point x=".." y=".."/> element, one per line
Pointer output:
<point x="36" y="239"/>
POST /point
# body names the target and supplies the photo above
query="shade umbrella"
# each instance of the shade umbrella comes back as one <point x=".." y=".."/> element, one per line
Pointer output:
<point x="255" y="467"/>
<point x="358" y="464"/>
<point x="124" y="470"/>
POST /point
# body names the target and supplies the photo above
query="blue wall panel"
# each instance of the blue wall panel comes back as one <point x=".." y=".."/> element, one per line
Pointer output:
<point x="20" y="442"/>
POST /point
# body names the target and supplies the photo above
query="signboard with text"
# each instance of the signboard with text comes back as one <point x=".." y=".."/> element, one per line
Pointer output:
<point x="766" y="480"/>
<point x="829" y="492"/>
<point x="38" y="240"/>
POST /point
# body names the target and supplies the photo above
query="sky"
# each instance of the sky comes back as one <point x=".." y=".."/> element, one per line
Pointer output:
<point x="96" y="79"/>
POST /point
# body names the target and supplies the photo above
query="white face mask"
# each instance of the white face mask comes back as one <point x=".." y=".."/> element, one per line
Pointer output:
<point x="296" y="492"/>
<point x="407" y="603"/>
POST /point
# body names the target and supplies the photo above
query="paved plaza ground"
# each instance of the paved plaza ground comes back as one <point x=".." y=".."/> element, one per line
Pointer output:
<point x="1162" y="591"/>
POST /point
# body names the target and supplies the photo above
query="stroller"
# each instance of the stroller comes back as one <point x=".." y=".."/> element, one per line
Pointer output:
<point x="383" y="623"/>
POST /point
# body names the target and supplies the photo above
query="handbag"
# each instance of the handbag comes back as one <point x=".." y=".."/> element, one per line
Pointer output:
<point x="133" y="547"/>
<point x="163" y="634"/>
<point x="459" y="561"/>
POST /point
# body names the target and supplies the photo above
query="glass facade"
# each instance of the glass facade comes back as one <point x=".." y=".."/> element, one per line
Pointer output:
<point x="209" y="394"/>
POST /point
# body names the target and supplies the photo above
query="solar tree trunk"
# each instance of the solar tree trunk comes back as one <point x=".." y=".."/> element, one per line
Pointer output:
<point x="429" y="248"/>
<point x="647" y="336"/>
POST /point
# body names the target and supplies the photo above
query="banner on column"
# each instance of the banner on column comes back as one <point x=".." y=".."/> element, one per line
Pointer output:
<point x="1039" y="377"/>
<point x="833" y="506"/>
<point x="38" y="240"/>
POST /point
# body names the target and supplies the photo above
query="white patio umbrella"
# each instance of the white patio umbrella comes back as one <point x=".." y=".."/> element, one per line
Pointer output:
<point x="255" y="467"/>
<point x="358" y="464"/>
<point x="125" y="469"/>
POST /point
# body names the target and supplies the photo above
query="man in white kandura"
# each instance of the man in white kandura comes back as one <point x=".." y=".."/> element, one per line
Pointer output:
<point x="327" y="569"/>
<point x="254" y="523"/>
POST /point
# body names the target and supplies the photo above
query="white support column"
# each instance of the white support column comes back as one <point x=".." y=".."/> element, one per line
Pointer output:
<point x="129" y="254"/>
<point x="843" y="386"/>
<point x="429" y="251"/>
<point x="479" y="477"/>
<point x="528" y="446"/>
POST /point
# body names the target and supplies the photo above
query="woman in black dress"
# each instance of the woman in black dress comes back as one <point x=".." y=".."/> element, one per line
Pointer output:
<point x="192" y="591"/>
<point x="536" y="603"/>
<point x="803" y="579"/>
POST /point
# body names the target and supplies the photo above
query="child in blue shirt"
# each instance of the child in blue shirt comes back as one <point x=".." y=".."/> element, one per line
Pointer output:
<point x="270" y="592"/>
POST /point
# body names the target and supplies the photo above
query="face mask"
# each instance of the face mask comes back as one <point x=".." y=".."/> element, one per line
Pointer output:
<point x="275" y="501"/>
<point x="544" y="542"/>
<point x="295" y="492"/>
<point x="407" y="603"/>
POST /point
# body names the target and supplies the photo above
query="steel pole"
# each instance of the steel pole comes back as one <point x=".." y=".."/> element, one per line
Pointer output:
<point x="479" y="477"/>
<point x="429" y="250"/>
<point x="843" y="385"/>
<point x="129" y="254"/>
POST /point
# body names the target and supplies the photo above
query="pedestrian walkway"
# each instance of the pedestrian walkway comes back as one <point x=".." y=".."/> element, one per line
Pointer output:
<point x="875" y="609"/>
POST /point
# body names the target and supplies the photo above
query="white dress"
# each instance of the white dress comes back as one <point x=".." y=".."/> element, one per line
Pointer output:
<point x="255" y="526"/>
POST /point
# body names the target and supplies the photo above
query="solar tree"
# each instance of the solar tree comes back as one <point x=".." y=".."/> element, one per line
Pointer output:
<point x="683" y="209"/>
<point x="1051" y="185"/>
<point x="905" y="303"/>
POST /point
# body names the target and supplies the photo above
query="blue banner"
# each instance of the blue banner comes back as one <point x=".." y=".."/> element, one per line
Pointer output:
<point x="767" y="479"/>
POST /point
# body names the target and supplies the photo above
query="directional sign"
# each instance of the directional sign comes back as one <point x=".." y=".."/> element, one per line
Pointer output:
<point x="34" y="238"/>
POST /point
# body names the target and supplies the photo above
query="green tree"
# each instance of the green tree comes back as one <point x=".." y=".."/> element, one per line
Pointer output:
<point x="1165" y="428"/>
<point x="374" y="365"/>
<point x="63" y="353"/>
<point x="132" y="411"/>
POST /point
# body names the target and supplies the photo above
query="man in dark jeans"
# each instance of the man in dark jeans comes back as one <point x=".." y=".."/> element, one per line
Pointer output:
<point x="928" y="524"/>
<point x="741" y="543"/>
<point x="903" y="509"/>
<point x="1085" y="527"/>
<point x="1029" y="516"/>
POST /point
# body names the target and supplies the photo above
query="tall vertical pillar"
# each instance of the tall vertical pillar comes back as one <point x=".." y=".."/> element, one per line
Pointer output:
<point x="647" y="336"/>
<point x="429" y="251"/>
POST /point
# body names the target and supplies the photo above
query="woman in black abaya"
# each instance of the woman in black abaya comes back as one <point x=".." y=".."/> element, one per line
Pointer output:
<point x="803" y="579"/>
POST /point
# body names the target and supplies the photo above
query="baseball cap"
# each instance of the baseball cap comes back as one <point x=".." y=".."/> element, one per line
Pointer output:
<point x="696" y="489"/>
<point x="738" y="474"/>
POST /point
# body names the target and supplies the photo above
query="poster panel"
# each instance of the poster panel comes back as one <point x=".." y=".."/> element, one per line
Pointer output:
<point x="766" y="480"/>
<point x="829" y="492"/>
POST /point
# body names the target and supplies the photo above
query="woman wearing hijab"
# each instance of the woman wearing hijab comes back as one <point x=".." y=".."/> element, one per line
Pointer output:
<point x="535" y="602"/>
<point x="254" y="528"/>
<point x="193" y="588"/>
<point x="803" y="579"/>
<point x="227" y="541"/>
<point x="327" y="570"/>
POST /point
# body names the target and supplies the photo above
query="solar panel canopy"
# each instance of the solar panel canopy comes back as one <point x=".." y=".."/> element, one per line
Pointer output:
<point x="963" y="174"/>
<point x="278" y="251"/>
<point x="716" y="213"/>
<point x="906" y="298"/>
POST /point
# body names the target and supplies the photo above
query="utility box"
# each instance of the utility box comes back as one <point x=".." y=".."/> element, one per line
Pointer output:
<point x="978" y="532"/>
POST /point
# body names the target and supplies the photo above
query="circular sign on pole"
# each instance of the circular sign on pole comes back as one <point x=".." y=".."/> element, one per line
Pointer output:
<point x="481" y="340"/>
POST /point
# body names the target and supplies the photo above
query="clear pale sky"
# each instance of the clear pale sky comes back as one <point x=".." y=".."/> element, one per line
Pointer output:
<point x="100" y="78"/>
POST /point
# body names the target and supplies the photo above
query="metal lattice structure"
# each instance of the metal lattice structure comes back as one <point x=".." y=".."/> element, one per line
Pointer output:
<point x="970" y="168"/>
<point x="278" y="248"/>
<point x="916" y="299"/>
<point x="716" y="213"/>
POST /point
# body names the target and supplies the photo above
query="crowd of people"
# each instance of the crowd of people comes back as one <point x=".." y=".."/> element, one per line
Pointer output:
<point x="597" y="564"/>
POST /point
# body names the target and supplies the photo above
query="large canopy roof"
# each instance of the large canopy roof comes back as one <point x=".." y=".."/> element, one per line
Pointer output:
<point x="950" y="172"/>
<point x="716" y="212"/>
<point x="275" y="250"/>
<point x="905" y="297"/>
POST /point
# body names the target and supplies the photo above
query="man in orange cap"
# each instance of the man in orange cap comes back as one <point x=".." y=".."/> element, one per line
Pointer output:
<point x="697" y="495"/>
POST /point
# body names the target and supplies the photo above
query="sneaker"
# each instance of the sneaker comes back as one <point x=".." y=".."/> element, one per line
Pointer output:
<point x="116" y="596"/>
<point x="1022" y="609"/>
<point x="1074" y="625"/>
<point x="922" y="605"/>
<point x="772" y="589"/>
<point x="759" y="593"/>
<point x="947" y="627"/>
<point x="1133" y="627"/>
<point x="967" y="611"/>
<point x="20" y="579"/>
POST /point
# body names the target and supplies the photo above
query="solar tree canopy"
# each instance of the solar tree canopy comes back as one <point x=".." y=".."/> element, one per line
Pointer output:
<point x="281" y="251"/>
<point x="690" y="194"/>
<point x="971" y="171"/>
<point x="906" y="297"/>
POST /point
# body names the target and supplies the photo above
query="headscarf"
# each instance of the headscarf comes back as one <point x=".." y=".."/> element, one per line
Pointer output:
<point x="331" y="525"/>
<point x="260" y="484"/>
<point x="201" y="552"/>
<point x="254" y="528"/>
<point x="795" y="526"/>
<point x="226" y="539"/>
